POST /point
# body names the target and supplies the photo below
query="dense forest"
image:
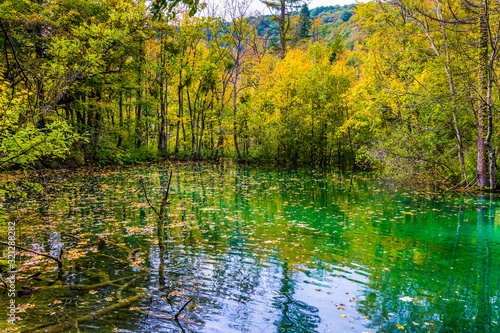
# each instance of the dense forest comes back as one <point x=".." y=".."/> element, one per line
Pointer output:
<point x="410" y="86"/>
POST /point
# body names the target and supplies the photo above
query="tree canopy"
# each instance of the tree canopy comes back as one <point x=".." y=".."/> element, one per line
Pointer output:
<point x="397" y="85"/>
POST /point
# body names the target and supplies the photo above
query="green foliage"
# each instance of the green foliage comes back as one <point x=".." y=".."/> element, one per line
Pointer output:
<point x="161" y="7"/>
<point x="22" y="143"/>
<point x="329" y="16"/>
<point x="346" y="16"/>
<point x="27" y="145"/>
<point x="365" y="87"/>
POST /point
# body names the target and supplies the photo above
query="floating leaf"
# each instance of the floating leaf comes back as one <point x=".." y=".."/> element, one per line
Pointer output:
<point x="177" y="293"/>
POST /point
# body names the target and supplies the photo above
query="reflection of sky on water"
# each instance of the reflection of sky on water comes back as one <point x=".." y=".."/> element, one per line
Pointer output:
<point x="261" y="297"/>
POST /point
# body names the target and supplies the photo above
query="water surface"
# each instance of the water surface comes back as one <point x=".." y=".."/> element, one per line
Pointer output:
<point x="259" y="250"/>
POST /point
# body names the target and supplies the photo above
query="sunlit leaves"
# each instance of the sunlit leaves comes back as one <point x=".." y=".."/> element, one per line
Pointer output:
<point x="301" y="97"/>
<point x="22" y="146"/>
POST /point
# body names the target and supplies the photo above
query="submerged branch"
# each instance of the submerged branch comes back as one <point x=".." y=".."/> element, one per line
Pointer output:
<point x="58" y="260"/>
<point x="123" y="287"/>
<point x="182" y="308"/>
<point x="121" y="246"/>
<point x="147" y="199"/>
<point x="87" y="287"/>
<point x="175" y="316"/>
<point x="62" y="327"/>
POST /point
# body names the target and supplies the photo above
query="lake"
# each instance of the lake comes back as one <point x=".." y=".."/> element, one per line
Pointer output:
<point x="257" y="250"/>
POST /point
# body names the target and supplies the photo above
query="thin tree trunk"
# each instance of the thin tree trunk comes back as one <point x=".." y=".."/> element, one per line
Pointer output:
<point x="482" y="120"/>
<point x="192" y="116"/>
<point x="178" y="122"/>
<point x="235" y="108"/>
<point x="282" y="28"/>
<point x="162" y="137"/>
<point x="200" y="143"/>
<point x="138" y="119"/>
<point x="120" y="108"/>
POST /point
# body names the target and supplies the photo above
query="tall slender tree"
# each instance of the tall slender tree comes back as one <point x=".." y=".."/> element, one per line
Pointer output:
<point x="282" y="10"/>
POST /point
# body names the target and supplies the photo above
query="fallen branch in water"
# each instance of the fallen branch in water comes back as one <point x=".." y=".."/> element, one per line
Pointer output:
<point x="175" y="316"/>
<point x="28" y="279"/>
<point x="161" y="213"/>
<point x="121" y="246"/>
<point x="182" y="308"/>
<point x="168" y="317"/>
<point x="87" y="287"/>
<point x="123" y="287"/>
<point x="62" y="327"/>
<point x="58" y="260"/>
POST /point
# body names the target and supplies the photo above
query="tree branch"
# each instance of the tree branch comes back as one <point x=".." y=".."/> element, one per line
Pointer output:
<point x="58" y="260"/>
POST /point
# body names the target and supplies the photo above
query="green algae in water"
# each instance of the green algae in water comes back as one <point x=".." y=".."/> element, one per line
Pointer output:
<point x="260" y="250"/>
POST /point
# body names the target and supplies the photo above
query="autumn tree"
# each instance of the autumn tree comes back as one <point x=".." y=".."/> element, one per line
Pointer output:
<point x="427" y="88"/>
<point x="300" y="107"/>
<point x="481" y="17"/>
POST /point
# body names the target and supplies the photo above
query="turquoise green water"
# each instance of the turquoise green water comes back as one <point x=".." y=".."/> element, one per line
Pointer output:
<point x="261" y="250"/>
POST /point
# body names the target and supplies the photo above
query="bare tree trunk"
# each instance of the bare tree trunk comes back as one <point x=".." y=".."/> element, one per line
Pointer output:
<point x="162" y="137"/>
<point x="120" y="108"/>
<point x="235" y="108"/>
<point x="200" y="142"/>
<point x="178" y="121"/>
<point x="482" y="114"/>
<point x="120" y="117"/>
<point x="138" y="119"/>
<point x="282" y="23"/>
<point x="192" y="118"/>
<point x="491" y="61"/>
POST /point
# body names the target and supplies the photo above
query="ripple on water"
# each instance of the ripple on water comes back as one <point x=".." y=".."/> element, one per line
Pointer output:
<point x="273" y="251"/>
